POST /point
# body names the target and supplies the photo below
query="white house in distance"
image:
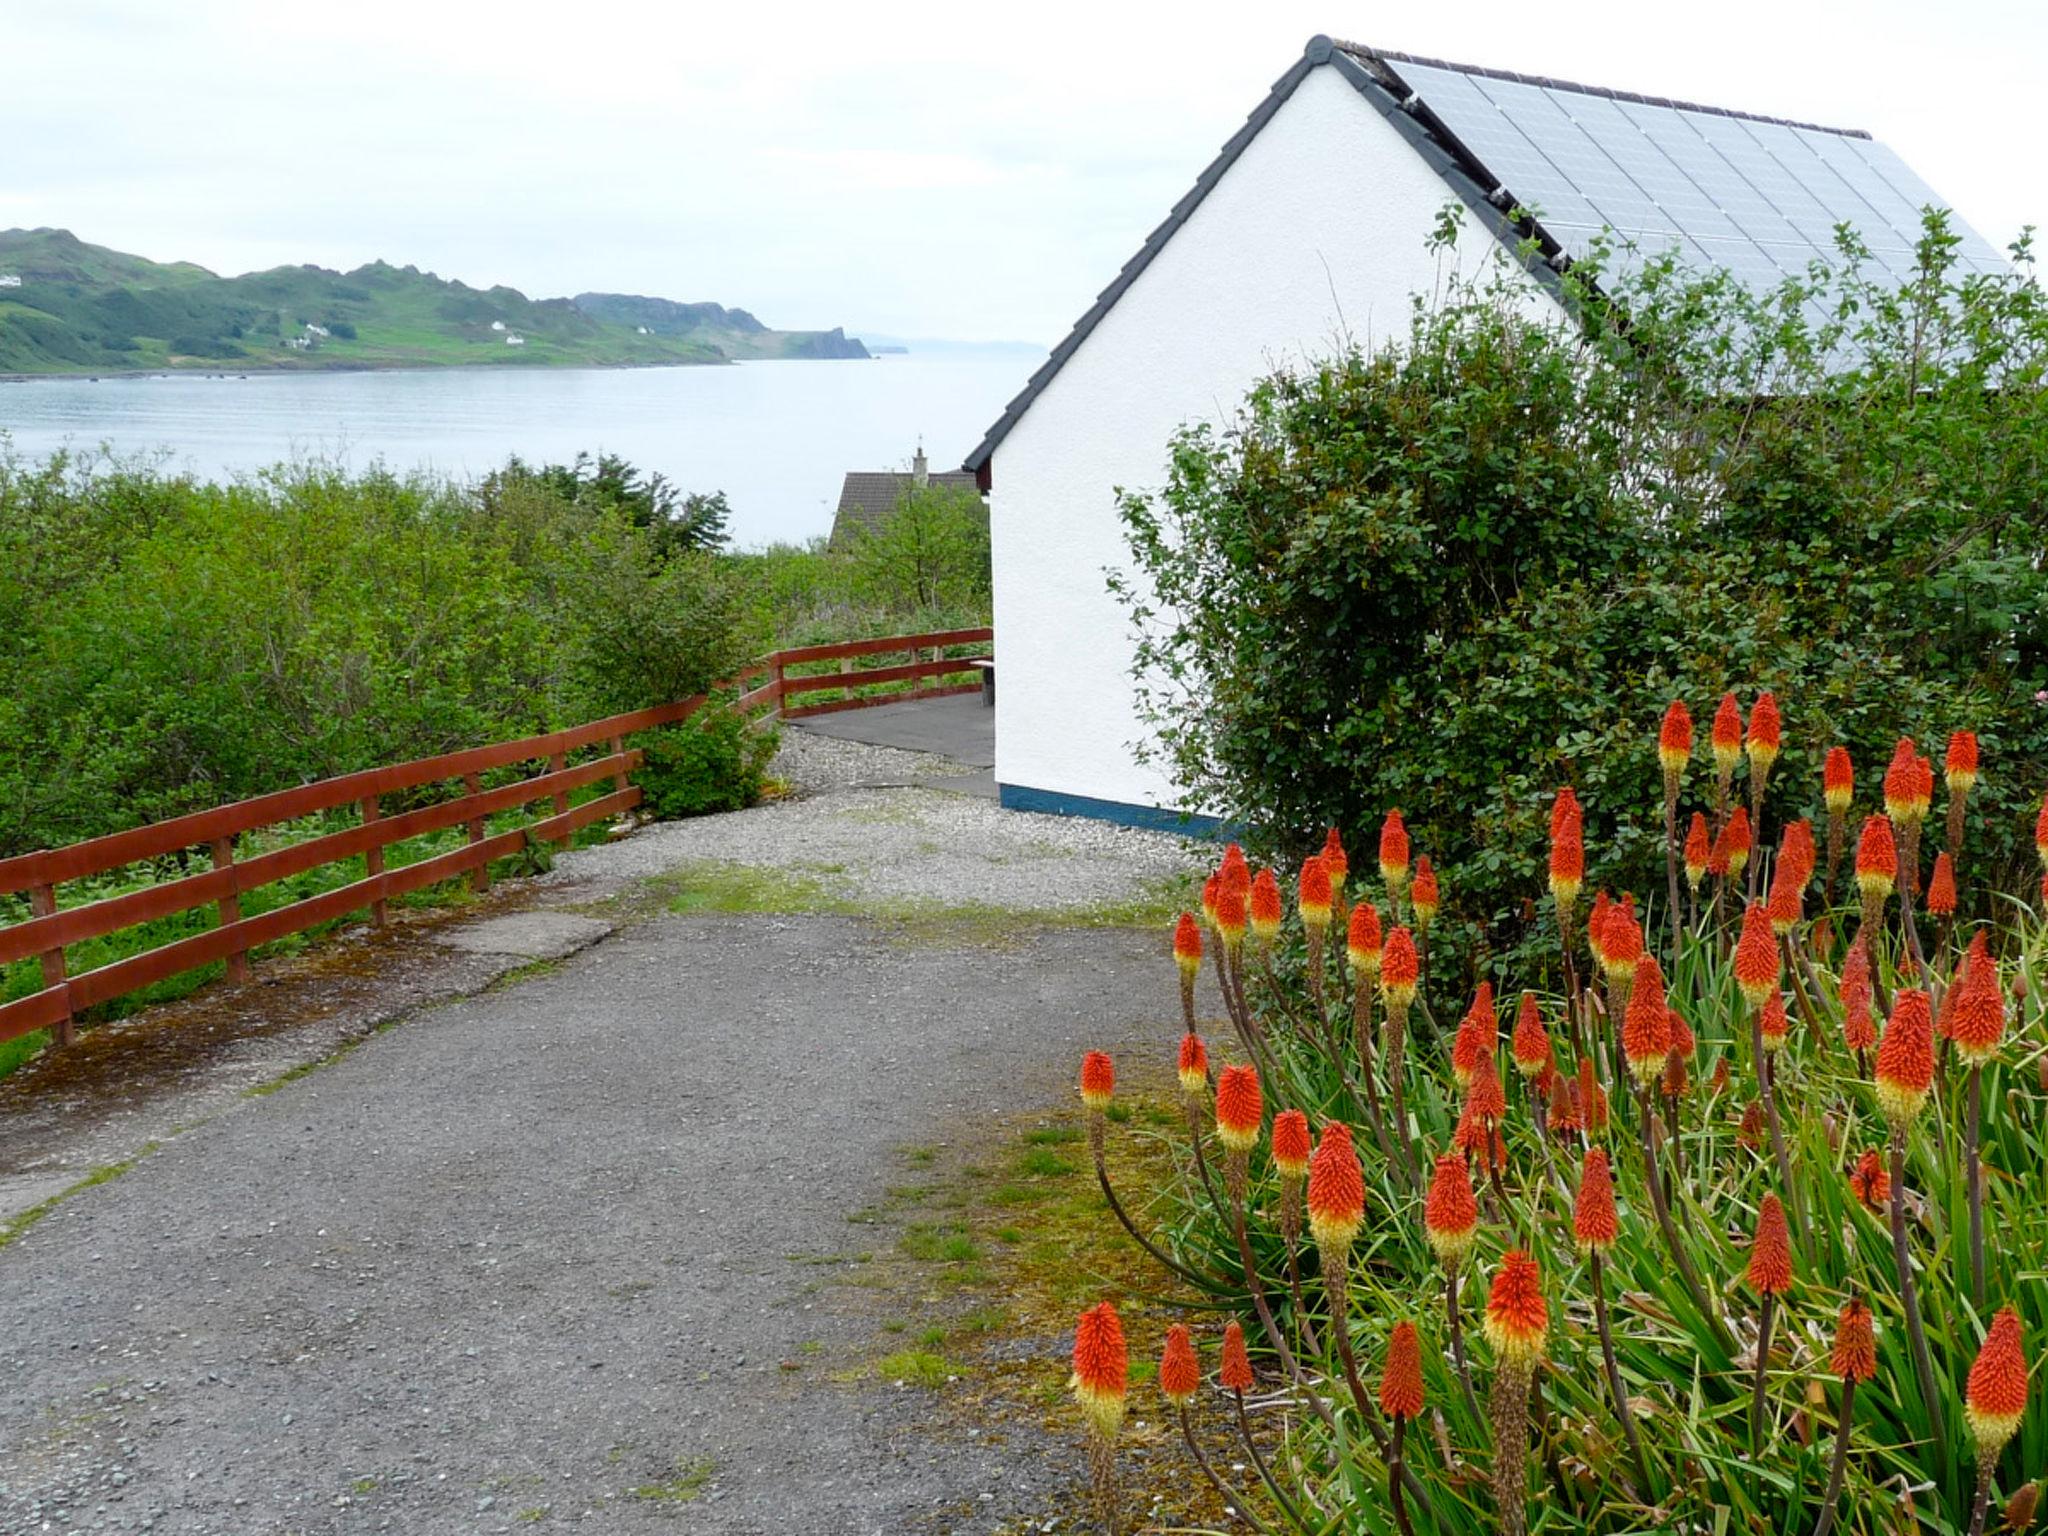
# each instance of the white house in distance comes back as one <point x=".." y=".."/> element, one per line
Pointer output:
<point x="1312" y="225"/>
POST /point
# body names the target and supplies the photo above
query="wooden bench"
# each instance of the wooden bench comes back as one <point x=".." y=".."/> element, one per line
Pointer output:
<point x="986" y="666"/>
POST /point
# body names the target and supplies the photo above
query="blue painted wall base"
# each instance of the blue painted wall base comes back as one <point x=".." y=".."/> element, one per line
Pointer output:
<point x="1016" y="797"/>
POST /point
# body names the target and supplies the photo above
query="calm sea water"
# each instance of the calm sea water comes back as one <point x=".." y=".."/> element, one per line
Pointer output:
<point x="775" y="437"/>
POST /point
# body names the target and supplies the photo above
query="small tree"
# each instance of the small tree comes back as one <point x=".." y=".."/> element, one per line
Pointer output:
<point x="929" y="554"/>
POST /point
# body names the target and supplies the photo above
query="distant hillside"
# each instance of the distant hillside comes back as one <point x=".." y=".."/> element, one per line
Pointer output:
<point x="70" y="307"/>
<point x="733" y="331"/>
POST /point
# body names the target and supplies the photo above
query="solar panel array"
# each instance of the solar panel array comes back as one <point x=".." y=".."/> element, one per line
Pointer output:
<point x="1760" y="198"/>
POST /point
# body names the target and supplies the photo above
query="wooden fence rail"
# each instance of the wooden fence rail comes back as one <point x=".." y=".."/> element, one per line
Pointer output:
<point x="51" y="928"/>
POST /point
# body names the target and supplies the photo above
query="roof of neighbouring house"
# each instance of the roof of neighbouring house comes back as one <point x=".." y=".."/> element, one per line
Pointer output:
<point x="867" y="496"/>
<point x="1554" y="166"/>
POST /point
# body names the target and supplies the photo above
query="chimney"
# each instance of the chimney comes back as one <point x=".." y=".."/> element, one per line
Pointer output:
<point x="920" y="470"/>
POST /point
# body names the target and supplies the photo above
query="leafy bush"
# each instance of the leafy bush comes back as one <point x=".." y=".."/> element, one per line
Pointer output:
<point x="711" y="762"/>
<point x="1447" y="575"/>
<point x="930" y="552"/>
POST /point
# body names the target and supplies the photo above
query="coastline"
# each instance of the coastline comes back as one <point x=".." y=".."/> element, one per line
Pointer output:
<point x="345" y="366"/>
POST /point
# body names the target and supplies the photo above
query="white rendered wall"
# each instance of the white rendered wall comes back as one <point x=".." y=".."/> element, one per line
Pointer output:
<point x="1324" y="213"/>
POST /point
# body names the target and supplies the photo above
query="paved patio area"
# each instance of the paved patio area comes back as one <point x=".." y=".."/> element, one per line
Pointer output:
<point x="961" y="728"/>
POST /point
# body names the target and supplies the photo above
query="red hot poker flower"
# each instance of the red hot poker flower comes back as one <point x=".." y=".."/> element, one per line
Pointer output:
<point x="1960" y="766"/>
<point x="1870" y="1183"/>
<point x="1996" y="1397"/>
<point x="1230" y="916"/>
<point x="1757" y="963"/>
<point x="1102" y="1368"/>
<point x="1854" y="1357"/>
<point x="1770" y="1255"/>
<point x="1646" y="1025"/>
<point x="1727" y="735"/>
<point x="1741" y="841"/>
<point x="1236" y="1372"/>
<point x="1674" y="741"/>
<point x="1336" y="1190"/>
<point x="1517" y="1317"/>
<point x="2041" y="832"/>
<point x="1699" y="849"/>
<point x="1784" y="906"/>
<point x="1187" y="944"/>
<point x="1798" y="854"/>
<point x="1193" y="1067"/>
<point x="1877" y="858"/>
<point x="1423" y="895"/>
<point x="1485" y="1099"/>
<point x="1859" y="1028"/>
<point x="1362" y="942"/>
<point x="1838" y="780"/>
<point x="1941" y="886"/>
<point x="1979" y="1024"/>
<point x="1335" y="860"/>
<point x="1623" y="939"/>
<point x="1771" y="1024"/>
<point x="1399" y="968"/>
<point x="1098" y="1080"/>
<point x="1567" y="866"/>
<point x="1905" y="1057"/>
<point x="1566" y="815"/>
<point x="1180" y="1373"/>
<point x="1401" y="1381"/>
<point x="1531" y="1043"/>
<point x="1239" y="1108"/>
<point x="1594" y="1222"/>
<point x="1291" y="1147"/>
<point x="1478" y="1033"/>
<point x="1316" y="893"/>
<point x="1765" y="732"/>
<point x="1596" y="927"/>
<point x="1450" y="1214"/>
<point x="1394" y="851"/>
<point x="1210" y="888"/>
<point x="1265" y="906"/>
<point x="1899" y="782"/>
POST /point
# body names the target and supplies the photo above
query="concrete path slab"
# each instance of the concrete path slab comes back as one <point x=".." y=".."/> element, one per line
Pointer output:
<point x="540" y="935"/>
<point x="960" y="727"/>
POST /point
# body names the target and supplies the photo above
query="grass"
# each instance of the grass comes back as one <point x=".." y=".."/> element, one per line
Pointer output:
<point x="939" y="1243"/>
<point x="691" y="1477"/>
<point x="104" y="1174"/>
<point x="916" y="1368"/>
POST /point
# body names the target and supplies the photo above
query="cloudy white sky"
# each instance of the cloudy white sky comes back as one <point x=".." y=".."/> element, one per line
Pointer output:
<point x="924" y="170"/>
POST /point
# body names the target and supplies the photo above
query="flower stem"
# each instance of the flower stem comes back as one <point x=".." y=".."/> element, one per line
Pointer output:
<point x="1396" y="1467"/>
<point x="1765" y="1322"/>
<point x="1909" y="1301"/>
<point x="1223" y="1490"/>
<point x="1838" y="1467"/>
<point x="1974" y="1154"/>
<point x="1679" y="1257"/>
<point x="1244" y="1429"/>
<point x="1453" y="1314"/>
<point x="1622" y="1411"/>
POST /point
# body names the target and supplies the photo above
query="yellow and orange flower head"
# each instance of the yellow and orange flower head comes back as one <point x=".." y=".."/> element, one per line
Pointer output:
<point x="1180" y="1373"/>
<point x="1727" y="735"/>
<point x="1996" y="1398"/>
<point x="1870" y="1183"/>
<point x="1959" y="768"/>
<point x="1674" y="740"/>
<point x="1566" y="814"/>
<point x="1898" y="783"/>
<point x="1784" y="906"/>
<point x="1766" y="733"/>
<point x="1517" y="1317"/>
<point x="1450" y="1214"/>
<point x="1838" y="781"/>
<point x="1234" y="866"/>
<point x="1394" y="853"/>
<point x="1291" y="1145"/>
<point x="1683" y="1045"/>
<point x="1478" y="1033"/>
<point x="1941" y="886"/>
<point x="1563" y="1114"/>
<point x="1923" y="787"/>
<point x="1098" y="1080"/>
<point x="2041" y="832"/>
<point x="1771" y="1024"/>
<point x="1230" y="917"/>
<point x="1316" y="894"/>
<point x="1400" y="968"/>
<point x="1336" y="861"/>
<point x="1646" y="1024"/>
<point x="1210" y="887"/>
<point x="1770" y="1254"/>
<point x="1877" y="858"/>
<point x="1187" y="944"/>
<point x="1531" y="1042"/>
<point x="1567" y="867"/>
<point x="1622" y="939"/>
<point x="1854" y="1357"/>
<point x="1193" y="1067"/>
<point x="1595" y="1224"/>
<point x="1102" y="1368"/>
<point x="1401" y="1380"/>
<point x="1859" y="1027"/>
<point x="1796" y="852"/>
<point x="1596" y="928"/>
<point x="1757" y="961"/>
<point x="1235" y="1375"/>
<point x="1264" y="908"/>
<point x="1336" y="1191"/>
<point x="1239" y="1108"/>
<point x="1422" y="895"/>
<point x="1699" y="850"/>
<point x="1741" y="841"/>
<point x="1485" y="1099"/>
<point x="1979" y="1025"/>
<point x="1905" y="1057"/>
<point x="1362" y="941"/>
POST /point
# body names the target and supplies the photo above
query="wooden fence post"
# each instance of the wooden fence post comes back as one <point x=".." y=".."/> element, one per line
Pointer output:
<point x="557" y="763"/>
<point x="781" y="683"/>
<point x="846" y="670"/>
<point x="231" y="907"/>
<point x="480" y="877"/>
<point x="619" y="773"/>
<point x="373" y="862"/>
<point x="42" y="902"/>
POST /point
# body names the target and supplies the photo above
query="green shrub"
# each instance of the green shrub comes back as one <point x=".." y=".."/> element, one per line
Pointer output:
<point x="712" y="762"/>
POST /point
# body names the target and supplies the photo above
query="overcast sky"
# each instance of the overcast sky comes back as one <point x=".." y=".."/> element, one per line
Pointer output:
<point x="925" y="170"/>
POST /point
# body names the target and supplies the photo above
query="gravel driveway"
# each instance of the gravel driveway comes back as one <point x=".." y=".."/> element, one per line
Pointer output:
<point x="548" y="1256"/>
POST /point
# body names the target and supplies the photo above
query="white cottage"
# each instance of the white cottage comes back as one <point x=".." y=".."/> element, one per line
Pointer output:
<point x="1311" y="225"/>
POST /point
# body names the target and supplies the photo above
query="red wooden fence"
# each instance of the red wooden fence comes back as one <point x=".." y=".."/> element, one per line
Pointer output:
<point x="50" y="928"/>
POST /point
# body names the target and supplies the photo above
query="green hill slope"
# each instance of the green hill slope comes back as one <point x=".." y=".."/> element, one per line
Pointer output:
<point x="70" y="307"/>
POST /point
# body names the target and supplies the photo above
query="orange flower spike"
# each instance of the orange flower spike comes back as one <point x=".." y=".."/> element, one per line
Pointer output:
<point x="1336" y="1191"/>
<point x="1798" y="853"/>
<point x="1923" y="787"/>
<point x="1838" y="780"/>
<point x="1646" y="1025"/>
<point x="2041" y="834"/>
<point x="1187" y="945"/>
<point x="1291" y="1146"/>
<point x="1401" y="1380"/>
<point x="1766" y="733"/>
<point x="1594" y="1222"/>
<point x="1596" y="927"/>
<point x="1180" y="1373"/>
<point x="1996" y="1397"/>
<point x="1478" y="1033"/>
<point x="1210" y="889"/>
<point x="1239" y="1108"/>
<point x="1757" y="961"/>
<point x="1905" y="1058"/>
<point x="1859" y="1027"/>
<point x="1230" y="917"/>
<point x="1236" y="1372"/>
<point x="1517" y="1317"/>
<point x="1699" y="850"/>
<point x="1770" y="1254"/>
<point x="1394" y="852"/>
<point x="1899" y="784"/>
<point x="1563" y="1117"/>
<point x="1566" y="815"/>
<point x="1485" y="1099"/>
<point x="1674" y="740"/>
<point x="1567" y="867"/>
<point x="1362" y="942"/>
<point x="1193" y="1068"/>
<point x="1959" y="768"/>
<point x="1423" y="894"/>
<point x="1623" y="940"/>
<point x="1941" y="886"/>
<point x="1854" y="1357"/>
<point x="1877" y="858"/>
<point x="1683" y="1045"/>
<point x="1450" y="1213"/>
<point x="1336" y="861"/>
<point x="1771" y="1023"/>
<point x="1979" y="1023"/>
<point x="1784" y="906"/>
<point x="1316" y="894"/>
<point x="1400" y="967"/>
<point x="1531" y="1043"/>
<point x="1870" y="1183"/>
<point x="1721" y="851"/>
<point x="1265" y="909"/>
<point x="1102" y="1368"/>
<point x="1727" y="734"/>
<point x="1098" y="1081"/>
<point x="1741" y="842"/>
